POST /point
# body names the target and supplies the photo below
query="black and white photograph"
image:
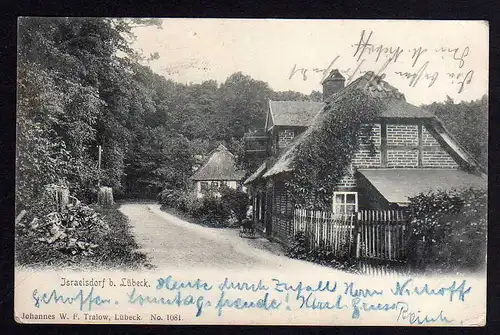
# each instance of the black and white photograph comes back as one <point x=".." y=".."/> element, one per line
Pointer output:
<point x="251" y="171"/>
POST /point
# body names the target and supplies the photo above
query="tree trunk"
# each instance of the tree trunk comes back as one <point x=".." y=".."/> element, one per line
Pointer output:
<point x="62" y="197"/>
<point x="59" y="194"/>
<point x="105" y="197"/>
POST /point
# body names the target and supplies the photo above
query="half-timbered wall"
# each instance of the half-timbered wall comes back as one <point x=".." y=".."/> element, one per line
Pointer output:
<point x="389" y="145"/>
<point x="395" y="145"/>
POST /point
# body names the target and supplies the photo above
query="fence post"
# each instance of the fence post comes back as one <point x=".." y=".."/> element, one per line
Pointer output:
<point x="412" y="257"/>
<point x="358" y="235"/>
<point x="354" y="238"/>
<point x="310" y="229"/>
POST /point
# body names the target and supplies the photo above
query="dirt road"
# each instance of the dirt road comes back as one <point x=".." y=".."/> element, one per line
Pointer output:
<point x="172" y="242"/>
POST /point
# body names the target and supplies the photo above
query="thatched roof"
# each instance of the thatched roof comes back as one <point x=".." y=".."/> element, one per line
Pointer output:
<point x="285" y="159"/>
<point x="257" y="174"/>
<point x="396" y="108"/>
<point x="302" y="113"/>
<point x="393" y="101"/>
<point x="221" y="165"/>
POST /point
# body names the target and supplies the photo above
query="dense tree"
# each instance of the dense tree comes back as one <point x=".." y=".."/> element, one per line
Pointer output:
<point x="76" y="91"/>
<point x="296" y="96"/>
<point x="159" y="159"/>
<point x="82" y="86"/>
<point x="468" y="123"/>
<point x="59" y="103"/>
<point x="242" y="105"/>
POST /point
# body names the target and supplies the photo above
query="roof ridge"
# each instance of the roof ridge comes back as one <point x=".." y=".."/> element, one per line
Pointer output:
<point x="222" y="147"/>
<point x="305" y="101"/>
<point x="226" y="165"/>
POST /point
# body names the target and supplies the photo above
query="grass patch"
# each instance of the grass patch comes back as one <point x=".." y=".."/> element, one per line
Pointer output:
<point x="180" y="214"/>
<point x="189" y="218"/>
<point x="119" y="248"/>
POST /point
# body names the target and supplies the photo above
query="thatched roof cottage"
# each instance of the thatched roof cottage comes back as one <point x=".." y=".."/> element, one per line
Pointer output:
<point x="219" y="169"/>
<point x="406" y="150"/>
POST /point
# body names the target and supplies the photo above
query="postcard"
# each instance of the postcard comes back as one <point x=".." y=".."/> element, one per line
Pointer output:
<point x="251" y="172"/>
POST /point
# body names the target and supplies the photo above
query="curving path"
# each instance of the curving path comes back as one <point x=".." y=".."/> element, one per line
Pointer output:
<point x="172" y="242"/>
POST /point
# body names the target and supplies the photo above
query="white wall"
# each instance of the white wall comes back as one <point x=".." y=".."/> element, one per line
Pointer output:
<point x="231" y="184"/>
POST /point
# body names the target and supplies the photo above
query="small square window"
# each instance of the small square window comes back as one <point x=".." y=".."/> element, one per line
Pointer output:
<point x="345" y="202"/>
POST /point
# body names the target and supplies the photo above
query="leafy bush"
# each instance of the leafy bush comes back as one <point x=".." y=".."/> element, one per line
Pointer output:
<point x="76" y="235"/>
<point x="299" y="248"/>
<point x="236" y="201"/>
<point x="212" y="212"/>
<point x="183" y="201"/>
<point x="169" y="197"/>
<point x="215" y="209"/>
<point x="449" y="230"/>
<point x="176" y="199"/>
<point x="66" y="231"/>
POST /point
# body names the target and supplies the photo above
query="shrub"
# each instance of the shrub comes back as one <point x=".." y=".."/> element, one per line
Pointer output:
<point x="184" y="201"/>
<point x="216" y="209"/>
<point x="449" y="230"/>
<point x="75" y="235"/>
<point x="187" y="202"/>
<point x="169" y="197"/>
<point x="299" y="248"/>
<point x="236" y="201"/>
<point x="212" y="212"/>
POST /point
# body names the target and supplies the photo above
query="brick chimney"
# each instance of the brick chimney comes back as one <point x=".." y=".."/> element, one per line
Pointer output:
<point x="332" y="84"/>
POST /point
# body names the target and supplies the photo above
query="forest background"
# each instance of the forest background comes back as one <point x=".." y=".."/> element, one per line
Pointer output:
<point x="81" y="85"/>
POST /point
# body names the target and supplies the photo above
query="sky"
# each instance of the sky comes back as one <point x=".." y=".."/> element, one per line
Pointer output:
<point x="425" y="60"/>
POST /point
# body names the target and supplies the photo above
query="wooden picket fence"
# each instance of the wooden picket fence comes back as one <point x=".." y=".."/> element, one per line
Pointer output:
<point x="325" y="229"/>
<point x="382" y="234"/>
<point x="377" y="239"/>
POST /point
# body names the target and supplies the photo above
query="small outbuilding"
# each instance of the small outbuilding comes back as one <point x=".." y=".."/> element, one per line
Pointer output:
<point x="218" y="170"/>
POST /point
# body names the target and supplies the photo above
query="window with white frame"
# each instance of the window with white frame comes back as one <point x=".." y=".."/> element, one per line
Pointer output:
<point x="345" y="202"/>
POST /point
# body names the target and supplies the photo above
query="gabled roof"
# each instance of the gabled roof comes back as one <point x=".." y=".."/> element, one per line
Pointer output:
<point x="394" y="101"/>
<point x="293" y="113"/>
<point x="221" y="165"/>
<point x="302" y="113"/>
